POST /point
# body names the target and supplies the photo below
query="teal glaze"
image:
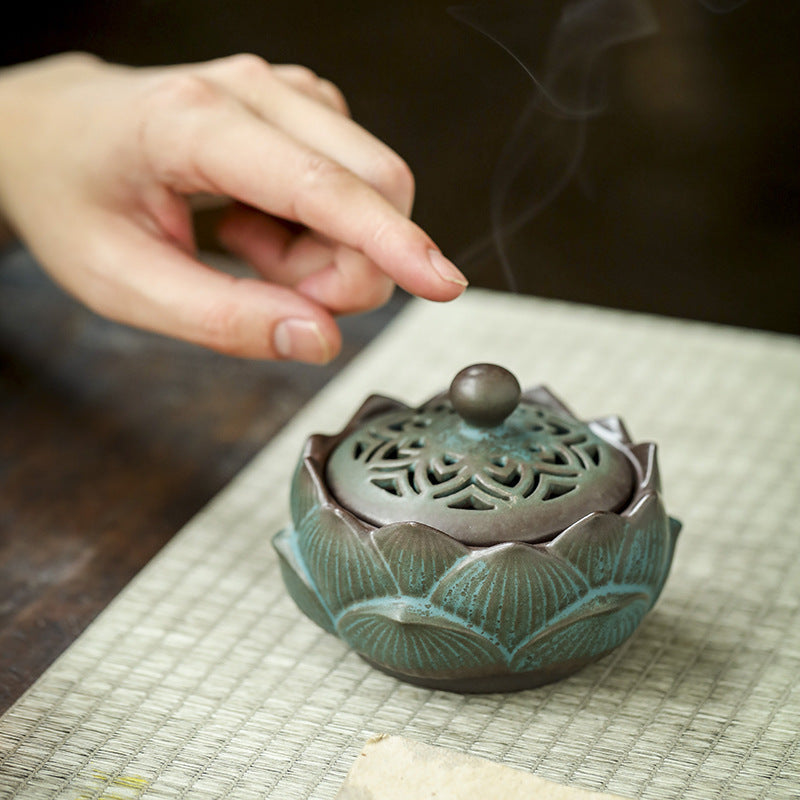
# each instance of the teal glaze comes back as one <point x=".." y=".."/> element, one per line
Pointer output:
<point x="424" y="607"/>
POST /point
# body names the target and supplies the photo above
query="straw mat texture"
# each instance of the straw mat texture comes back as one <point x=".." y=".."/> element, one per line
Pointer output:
<point x="202" y="679"/>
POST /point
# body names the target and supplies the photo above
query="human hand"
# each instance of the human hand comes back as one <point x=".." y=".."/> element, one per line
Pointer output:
<point x="98" y="162"/>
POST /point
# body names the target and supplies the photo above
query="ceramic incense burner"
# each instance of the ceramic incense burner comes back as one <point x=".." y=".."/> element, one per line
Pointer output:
<point x="486" y="541"/>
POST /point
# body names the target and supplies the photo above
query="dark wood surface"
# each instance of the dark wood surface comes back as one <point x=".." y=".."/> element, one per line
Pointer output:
<point x="110" y="440"/>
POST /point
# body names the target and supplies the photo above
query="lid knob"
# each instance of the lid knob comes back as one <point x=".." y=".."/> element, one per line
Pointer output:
<point x="483" y="395"/>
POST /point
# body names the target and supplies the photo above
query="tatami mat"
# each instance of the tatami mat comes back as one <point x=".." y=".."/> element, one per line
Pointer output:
<point x="202" y="680"/>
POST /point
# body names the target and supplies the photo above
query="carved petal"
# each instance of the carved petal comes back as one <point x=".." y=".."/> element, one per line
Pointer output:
<point x="415" y="641"/>
<point x="307" y="492"/>
<point x="417" y="555"/>
<point x="297" y="583"/>
<point x="509" y="591"/>
<point x="375" y="404"/>
<point x="343" y="563"/>
<point x="593" y="545"/>
<point x="648" y="546"/>
<point x="632" y="551"/>
<point x="597" y="625"/>
<point x="614" y="427"/>
<point x="649" y="477"/>
<point x="542" y="395"/>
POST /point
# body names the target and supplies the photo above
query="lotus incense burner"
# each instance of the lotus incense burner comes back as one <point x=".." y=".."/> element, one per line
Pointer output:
<point x="486" y="541"/>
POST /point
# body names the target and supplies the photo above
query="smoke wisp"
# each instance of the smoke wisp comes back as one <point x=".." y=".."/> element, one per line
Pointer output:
<point x="562" y="48"/>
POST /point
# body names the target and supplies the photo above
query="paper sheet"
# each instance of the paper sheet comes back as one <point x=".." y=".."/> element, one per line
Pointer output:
<point x="395" y="768"/>
<point x="203" y="680"/>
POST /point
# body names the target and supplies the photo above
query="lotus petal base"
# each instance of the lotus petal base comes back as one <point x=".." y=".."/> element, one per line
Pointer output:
<point x="459" y="610"/>
<point x="496" y="619"/>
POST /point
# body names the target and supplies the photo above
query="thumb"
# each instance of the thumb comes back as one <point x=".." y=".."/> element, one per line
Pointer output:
<point x="138" y="279"/>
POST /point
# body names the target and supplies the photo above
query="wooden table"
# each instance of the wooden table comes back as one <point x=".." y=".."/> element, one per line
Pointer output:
<point x="110" y="440"/>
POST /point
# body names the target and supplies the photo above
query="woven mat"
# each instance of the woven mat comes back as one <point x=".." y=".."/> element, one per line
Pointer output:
<point x="202" y="680"/>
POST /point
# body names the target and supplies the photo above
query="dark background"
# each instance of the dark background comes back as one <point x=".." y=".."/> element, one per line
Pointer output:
<point x="685" y="200"/>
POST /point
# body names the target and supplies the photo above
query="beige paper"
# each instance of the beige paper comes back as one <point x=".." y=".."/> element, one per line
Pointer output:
<point x="395" y="768"/>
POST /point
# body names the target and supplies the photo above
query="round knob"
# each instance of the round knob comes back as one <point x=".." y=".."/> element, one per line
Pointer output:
<point x="484" y="394"/>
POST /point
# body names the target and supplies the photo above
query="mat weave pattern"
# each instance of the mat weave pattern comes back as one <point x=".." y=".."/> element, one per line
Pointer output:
<point x="202" y="680"/>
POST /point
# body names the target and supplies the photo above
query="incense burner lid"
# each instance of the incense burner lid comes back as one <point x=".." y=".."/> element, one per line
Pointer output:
<point x="484" y="462"/>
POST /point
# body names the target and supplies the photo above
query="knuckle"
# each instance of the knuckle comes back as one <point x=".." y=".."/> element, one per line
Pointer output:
<point x="332" y="91"/>
<point x="393" y="178"/>
<point x="77" y="58"/>
<point x="182" y="91"/>
<point x="319" y="176"/>
<point x="319" y="170"/>
<point x="303" y="76"/>
<point x="381" y="232"/>
<point x="249" y="66"/>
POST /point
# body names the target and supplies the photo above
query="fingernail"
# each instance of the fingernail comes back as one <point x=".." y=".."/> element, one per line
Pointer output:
<point x="446" y="270"/>
<point x="301" y="340"/>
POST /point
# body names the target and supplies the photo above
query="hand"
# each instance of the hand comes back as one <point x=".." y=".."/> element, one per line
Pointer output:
<point x="98" y="163"/>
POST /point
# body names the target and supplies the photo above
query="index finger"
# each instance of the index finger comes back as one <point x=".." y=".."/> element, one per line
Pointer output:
<point x="197" y="138"/>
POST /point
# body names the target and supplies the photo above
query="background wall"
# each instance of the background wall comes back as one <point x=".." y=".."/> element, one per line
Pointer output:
<point x="680" y="196"/>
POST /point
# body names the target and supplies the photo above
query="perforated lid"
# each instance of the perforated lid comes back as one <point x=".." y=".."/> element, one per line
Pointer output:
<point x="483" y="463"/>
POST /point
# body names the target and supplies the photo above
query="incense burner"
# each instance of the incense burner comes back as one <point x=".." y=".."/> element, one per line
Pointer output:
<point x="485" y="541"/>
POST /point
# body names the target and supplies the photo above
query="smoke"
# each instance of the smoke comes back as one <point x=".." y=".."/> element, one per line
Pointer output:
<point x="562" y="47"/>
